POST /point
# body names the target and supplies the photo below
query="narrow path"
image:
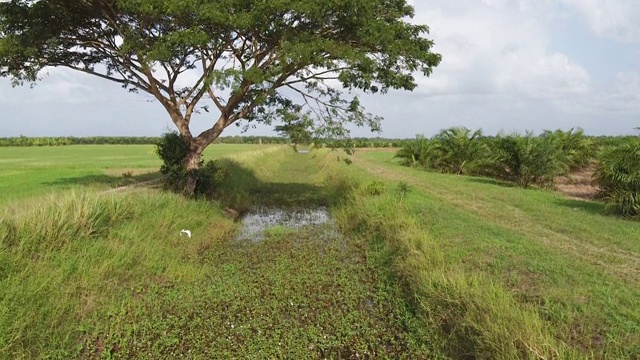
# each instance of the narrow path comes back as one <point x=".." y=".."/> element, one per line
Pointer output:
<point x="132" y="186"/>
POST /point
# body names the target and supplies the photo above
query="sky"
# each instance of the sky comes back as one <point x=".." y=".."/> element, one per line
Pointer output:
<point x="507" y="65"/>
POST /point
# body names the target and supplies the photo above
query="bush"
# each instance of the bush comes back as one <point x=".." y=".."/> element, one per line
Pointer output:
<point x="173" y="151"/>
<point x="209" y="177"/>
<point x="618" y="177"/>
<point x="375" y="188"/>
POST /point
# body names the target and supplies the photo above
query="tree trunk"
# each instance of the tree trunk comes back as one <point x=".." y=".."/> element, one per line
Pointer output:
<point x="192" y="165"/>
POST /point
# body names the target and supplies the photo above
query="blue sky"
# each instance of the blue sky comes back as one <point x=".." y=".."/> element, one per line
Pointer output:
<point x="510" y="65"/>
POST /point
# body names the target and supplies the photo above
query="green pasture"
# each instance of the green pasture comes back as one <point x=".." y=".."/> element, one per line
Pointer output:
<point x="29" y="171"/>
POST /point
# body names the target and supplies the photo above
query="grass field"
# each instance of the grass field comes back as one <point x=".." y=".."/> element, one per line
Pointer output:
<point x="29" y="171"/>
<point x="519" y="263"/>
<point x="426" y="266"/>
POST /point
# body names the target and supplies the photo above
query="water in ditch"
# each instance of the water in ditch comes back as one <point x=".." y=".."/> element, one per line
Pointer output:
<point x="257" y="222"/>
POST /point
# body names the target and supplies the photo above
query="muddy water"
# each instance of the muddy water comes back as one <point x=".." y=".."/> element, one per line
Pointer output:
<point x="256" y="222"/>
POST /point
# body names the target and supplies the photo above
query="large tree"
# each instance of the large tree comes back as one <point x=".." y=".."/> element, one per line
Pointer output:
<point x="252" y="60"/>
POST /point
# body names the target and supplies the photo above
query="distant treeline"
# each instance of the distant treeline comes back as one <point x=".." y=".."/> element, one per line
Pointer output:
<point x="377" y="142"/>
<point x="151" y="140"/>
<point x="125" y="140"/>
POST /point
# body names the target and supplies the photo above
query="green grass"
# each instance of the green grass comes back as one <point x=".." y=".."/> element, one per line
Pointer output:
<point x="30" y="171"/>
<point x="106" y="275"/>
<point x="428" y="266"/>
<point x="505" y="271"/>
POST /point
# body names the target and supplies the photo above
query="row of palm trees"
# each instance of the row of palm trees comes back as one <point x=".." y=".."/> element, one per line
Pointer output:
<point x="527" y="160"/>
<point x="524" y="159"/>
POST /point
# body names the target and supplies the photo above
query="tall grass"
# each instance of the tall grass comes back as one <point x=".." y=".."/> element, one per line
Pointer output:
<point x="463" y="315"/>
<point x="77" y="252"/>
<point x="61" y="220"/>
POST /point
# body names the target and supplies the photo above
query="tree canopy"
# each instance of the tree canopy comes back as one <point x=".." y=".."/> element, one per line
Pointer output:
<point x="251" y="60"/>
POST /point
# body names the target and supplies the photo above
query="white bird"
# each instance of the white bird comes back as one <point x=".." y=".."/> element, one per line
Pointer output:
<point x="187" y="232"/>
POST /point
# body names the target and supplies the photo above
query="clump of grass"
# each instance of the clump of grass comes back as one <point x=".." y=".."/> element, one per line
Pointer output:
<point x="375" y="188"/>
<point x="127" y="175"/>
<point x="77" y="253"/>
<point x="70" y="217"/>
<point x="480" y="319"/>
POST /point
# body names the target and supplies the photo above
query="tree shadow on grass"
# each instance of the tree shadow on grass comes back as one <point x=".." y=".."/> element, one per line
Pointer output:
<point x="490" y="181"/>
<point x="242" y="182"/>
<point x="241" y="189"/>
<point x="591" y="207"/>
<point x="103" y="179"/>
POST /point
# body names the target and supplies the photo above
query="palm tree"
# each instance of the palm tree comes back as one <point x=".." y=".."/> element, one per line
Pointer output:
<point x="458" y="150"/>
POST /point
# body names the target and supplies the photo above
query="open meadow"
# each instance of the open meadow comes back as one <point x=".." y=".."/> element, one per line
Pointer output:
<point x="29" y="171"/>
<point x="409" y="263"/>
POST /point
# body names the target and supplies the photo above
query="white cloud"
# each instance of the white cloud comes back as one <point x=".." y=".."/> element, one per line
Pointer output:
<point x="499" y="72"/>
<point x="497" y="47"/>
<point x="59" y="86"/>
<point x="617" y="19"/>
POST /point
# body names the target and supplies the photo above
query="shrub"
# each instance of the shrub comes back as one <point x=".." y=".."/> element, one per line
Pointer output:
<point x="209" y="177"/>
<point x="173" y="151"/>
<point x="618" y="177"/>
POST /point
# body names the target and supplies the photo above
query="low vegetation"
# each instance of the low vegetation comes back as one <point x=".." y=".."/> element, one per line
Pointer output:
<point x="427" y="265"/>
<point x="26" y="172"/>
<point x="497" y="273"/>
<point x="108" y="275"/>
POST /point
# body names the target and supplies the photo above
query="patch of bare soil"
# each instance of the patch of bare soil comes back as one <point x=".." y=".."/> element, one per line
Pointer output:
<point x="578" y="185"/>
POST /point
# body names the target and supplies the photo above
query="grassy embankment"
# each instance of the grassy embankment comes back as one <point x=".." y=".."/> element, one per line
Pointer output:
<point x="489" y="271"/>
<point x="501" y="272"/>
<point x="98" y="275"/>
